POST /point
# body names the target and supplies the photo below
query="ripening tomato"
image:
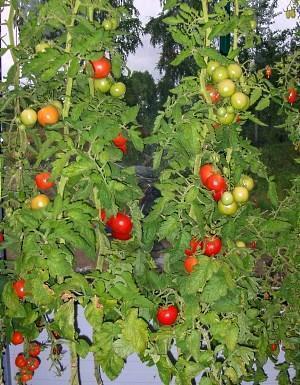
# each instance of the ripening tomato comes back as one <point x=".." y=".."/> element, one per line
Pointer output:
<point x="227" y="198"/>
<point x="34" y="349"/>
<point x="32" y="363"/>
<point x="20" y="361"/>
<point x="206" y="171"/>
<point x="240" y="194"/>
<point x="219" y="74"/>
<point x="240" y="101"/>
<point x="120" y="224"/>
<point x="103" y="85"/>
<point x="226" y="88"/>
<point x="214" y="95"/>
<point x="212" y="246"/>
<point x="268" y="72"/>
<point x="211" y="66"/>
<point x="252" y="245"/>
<point x="274" y="347"/>
<point x="19" y="288"/>
<point x="227" y="209"/>
<point x="118" y="90"/>
<point x="216" y="183"/>
<point x="42" y="181"/>
<point x="1" y="237"/>
<point x="17" y="338"/>
<point x="101" y="67"/>
<point x="167" y="315"/>
<point x="48" y="115"/>
<point x="25" y="377"/>
<point x="247" y="181"/>
<point x="28" y="117"/>
<point x="234" y="71"/>
<point x="39" y="202"/>
<point x="189" y="264"/>
<point x="292" y="96"/>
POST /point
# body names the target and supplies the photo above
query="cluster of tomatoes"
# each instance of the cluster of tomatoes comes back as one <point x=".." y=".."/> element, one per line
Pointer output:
<point x="228" y="201"/>
<point x="120" y="225"/>
<point x="46" y="116"/>
<point x="27" y="363"/>
<point x="225" y="92"/>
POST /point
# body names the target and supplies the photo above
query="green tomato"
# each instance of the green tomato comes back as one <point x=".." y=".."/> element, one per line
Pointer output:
<point x="240" y="101"/>
<point x="240" y="244"/>
<point x="118" y="90"/>
<point x="227" y="198"/>
<point x="219" y="74"/>
<point x="103" y="85"/>
<point x="106" y="24"/>
<point x="230" y="109"/>
<point x="247" y="181"/>
<point x="114" y="23"/>
<point x="41" y="47"/>
<point x="227" y="118"/>
<point x="240" y="194"/>
<point x="253" y="24"/>
<point x="28" y="117"/>
<point x="226" y="88"/>
<point x="229" y="209"/>
<point x="211" y="66"/>
<point x="235" y="71"/>
<point x="221" y="111"/>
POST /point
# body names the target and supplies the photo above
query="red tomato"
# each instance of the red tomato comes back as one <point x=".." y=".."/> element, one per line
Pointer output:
<point x="217" y="195"/>
<point x="216" y="183"/>
<point x="121" y="236"/>
<point x="274" y="347"/>
<point x="1" y="237"/>
<point x="188" y="252"/>
<point x="120" y="224"/>
<point x="195" y="244"/>
<point x="212" y="246"/>
<point x="213" y="93"/>
<point x="42" y="181"/>
<point x="101" y="67"/>
<point x="20" y="361"/>
<point x="206" y="171"/>
<point x="26" y="377"/>
<point x="48" y="115"/>
<point x="17" y="338"/>
<point x="32" y="363"/>
<point x="34" y="349"/>
<point x="120" y="142"/>
<point x="268" y="71"/>
<point x="189" y="264"/>
<point x="292" y="95"/>
<point x="167" y="315"/>
<point x="252" y="245"/>
<point x="102" y="215"/>
<point x="19" y="288"/>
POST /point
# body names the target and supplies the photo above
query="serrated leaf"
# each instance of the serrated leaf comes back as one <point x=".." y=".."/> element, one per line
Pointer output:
<point x="263" y="104"/>
<point x="130" y="114"/>
<point x="135" y="332"/>
<point x="180" y="57"/>
<point x="173" y="20"/>
<point x="255" y="95"/>
<point x="116" y="63"/>
<point x="82" y="348"/>
<point x="64" y="318"/>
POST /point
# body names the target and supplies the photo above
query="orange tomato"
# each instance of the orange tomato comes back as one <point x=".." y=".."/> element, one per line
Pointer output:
<point x="48" y="115"/>
<point x="39" y="202"/>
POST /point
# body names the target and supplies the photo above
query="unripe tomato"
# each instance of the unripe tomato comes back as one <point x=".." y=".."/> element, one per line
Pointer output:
<point x="48" y="115"/>
<point x="106" y="24"/>
<point x="101" y="67"/>
<point x="34" y="349"/>
<point x="221" y="111"/>
<point x="41" y="47"/>
<point x="20" y="361"/>
<point x="28" y="117"/>
<point x="234" y="71"/>
<point x="247" y="181"/>
<point x="211" y="66"/>
<point x="189" y="264"/>
<point x="227" y="209"/>
<point x="17" y="338"/>
<point x="212" y="246"/>
<point x="213" y="94"/>
<point x="120" y="224"/>
<point x="39" y="202"/>
<point x="42" y="181"/>
<point x="227" y="119"/>
<point x="19" y="288"/>
<point x="167" y="315"/>
<point x="216" y="183"/>
<point x="268" y="72"/>
<point x="102" y="85"/>
<point x="240" y="194"/>
<point x="240" y="244"/>
<point x="240" y="101"/>
<point x="118" y="90"/>
<point x="206" y="171"/>
<point x="253" y="24"/>
<point x="226" y="88"/>
<point x="32" y="363"/>
<point x="114" y="23"/>
<point x="292" y="96"/>
<point x="219" y="74"/>
<point x="227" y="198"/>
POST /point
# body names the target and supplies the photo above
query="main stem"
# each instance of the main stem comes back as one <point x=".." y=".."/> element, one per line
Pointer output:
<point x="236" y="32"/>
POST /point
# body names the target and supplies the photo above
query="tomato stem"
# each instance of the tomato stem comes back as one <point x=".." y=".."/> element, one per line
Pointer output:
<point x="235" y="33"/>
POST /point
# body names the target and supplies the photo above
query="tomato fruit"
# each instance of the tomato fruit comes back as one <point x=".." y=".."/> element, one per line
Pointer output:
<point x="189" y="264"/>
<point x="195" y="244"/>
<point x="28" y="117"/>
<point x="213" y="94"/>
<point x="58" y="105"/>
<point x="120" y="141"/>
<point x="106" y="24"/>
<point x="121" y="236"/>
<point x="211" y="66"/>
<point x="167" y="315"/>
<point x="20" y="361"/>
<point x="252" y="245"/>
<point x="268" y="72"/>
<point x="216" y="183"/>
<point x="240" y="101"/>
<point x="17" y="338"/>
<point x="219" y="74"/>
<point x="41" y="47"/>
<point x="101" y="67"/>
<point x="228" y="118"/>
<point x="274" y="347"/>
<point x="1" y="237"/>
<point x="48" y="115"/>
<point x="247" y="181"/>
<point x="102" y="215"/>
<point x="19" y="288"/>
<point x="42" y="181"/>
<point x="226" y="88"/>
<point x="227" y="209"/>
<point x="114" y="23"/>
<point x="253" y="24"/>
<point x="234" y="71"/>
<point x="240" y="194"/>
<point x="227" y="198"/>
<point x="118" y="90"/>
<point x="120" y="224"/>
<point x="25" y="377"/>
<point x="34" y="349"/>
<point x="212" y="246"/>
<point x="206" y="171"/>
<point x="240" y="244"/>
<point x="217" y="195"/>
<point x="39" y="202"/>
<point x="32" y="363"/>
<point x="292" y="96"/>
<point x="103" y="85"/>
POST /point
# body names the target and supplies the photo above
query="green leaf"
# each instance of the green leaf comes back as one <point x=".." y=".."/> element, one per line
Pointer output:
<point x="255" y="95"/>
<point x="79" y="167"/>
<point x="170" y="4"/>
<point x="272" y="192"/>
<point x="130" y="115"/>
<point x="64" y="318"/>
<point x="136" y="140"/>
<point x="182" y="56"/>
<point x="199" y="59"/>
<point x="173" y="20"/>
<point x="82" y="347"/>
<point x="116" y="63"/>
<point x="14" y="308"/>
<point x="74" y="67"/>
<point x="215" y="289"/>
<point x="276" y="226"/>
<point x="58" y="263"/>
<point x="168" y="227"/>
<point x="263" y="103"/>
<point x="197" y="280"/>
<point x="135" y="332"/>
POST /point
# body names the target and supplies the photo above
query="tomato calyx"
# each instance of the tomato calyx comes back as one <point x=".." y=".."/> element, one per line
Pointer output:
<point x="213" y="94"/>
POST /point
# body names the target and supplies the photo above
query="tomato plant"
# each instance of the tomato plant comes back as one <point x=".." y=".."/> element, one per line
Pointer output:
<point x="167" y="315"/>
